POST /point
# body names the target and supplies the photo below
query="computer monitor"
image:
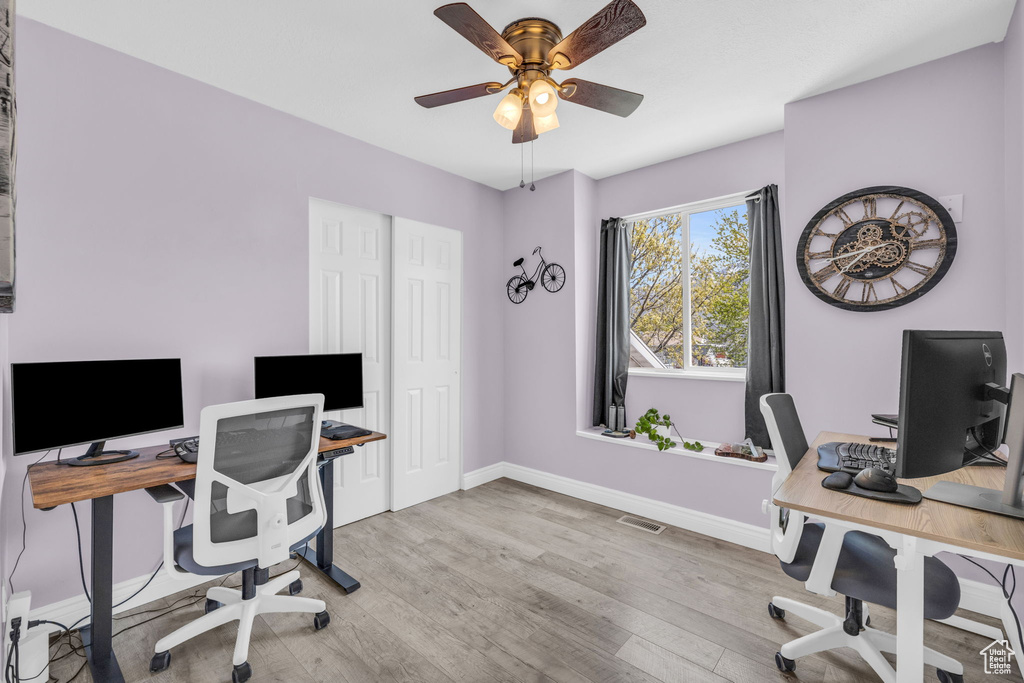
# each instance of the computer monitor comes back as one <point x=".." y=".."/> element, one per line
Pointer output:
<point x="338" y="376"/>
<point x="60" y="404"/>
<point x="946" y="400"/>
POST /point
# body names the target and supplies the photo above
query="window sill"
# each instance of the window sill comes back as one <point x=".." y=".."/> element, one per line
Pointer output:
<point x="721" y="376"/>
<point x="707" y="454"/>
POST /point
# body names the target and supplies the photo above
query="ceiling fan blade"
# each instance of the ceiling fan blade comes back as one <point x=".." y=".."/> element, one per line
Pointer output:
<point x="616" y="21"/>
<point x="603" y="97"/>
<point x="436" y="99"/>
<point x="473" y="28"/>
<point x="524" y="132"/>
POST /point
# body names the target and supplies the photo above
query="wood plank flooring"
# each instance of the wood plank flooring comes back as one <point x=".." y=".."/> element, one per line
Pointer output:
<point x="511" y="583"/>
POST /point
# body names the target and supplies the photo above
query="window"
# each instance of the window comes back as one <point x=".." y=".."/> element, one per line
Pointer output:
<point x="690" y="290"/>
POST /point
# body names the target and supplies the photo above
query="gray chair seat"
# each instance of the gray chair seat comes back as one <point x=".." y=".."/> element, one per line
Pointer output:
<point x="184" y="558"/>
<point x="865" y="571"/>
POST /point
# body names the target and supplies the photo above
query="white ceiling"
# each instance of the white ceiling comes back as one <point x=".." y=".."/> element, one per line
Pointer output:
<point x="712" y="71"/>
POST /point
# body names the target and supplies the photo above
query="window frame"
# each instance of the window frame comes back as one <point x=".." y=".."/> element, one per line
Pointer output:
<point x="690" y="371"/>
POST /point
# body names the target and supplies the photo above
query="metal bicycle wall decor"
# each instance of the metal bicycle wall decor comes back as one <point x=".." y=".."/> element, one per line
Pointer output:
<point x="552" y="277"/>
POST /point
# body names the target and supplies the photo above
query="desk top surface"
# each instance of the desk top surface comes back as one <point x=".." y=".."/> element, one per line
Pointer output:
<point x="56" y="484"/>
<point x="929" y="519"/>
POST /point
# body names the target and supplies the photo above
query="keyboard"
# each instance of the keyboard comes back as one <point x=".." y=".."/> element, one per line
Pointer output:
<point x="344" y="431"/>
<point x="854" y="457"/>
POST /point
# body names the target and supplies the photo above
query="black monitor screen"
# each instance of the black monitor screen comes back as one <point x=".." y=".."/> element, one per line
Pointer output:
<point x="338" y="376"/>
<point x="944" y="407"/>
<point x="78" y="402"/>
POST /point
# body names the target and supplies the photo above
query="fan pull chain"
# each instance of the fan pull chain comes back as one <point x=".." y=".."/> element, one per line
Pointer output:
<point x="522" y="166"/>
<point x="533" y="185"/>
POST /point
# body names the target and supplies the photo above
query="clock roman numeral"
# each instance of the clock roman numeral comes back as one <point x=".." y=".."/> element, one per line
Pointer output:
<point x="841" y="289"/>
<point x="844" y="217"/>
<point x="928" y="244"/>
<point x="897" y="211"/>
<point x="818" y="231"/>
<point x="868" y="294"/>
<point x="898" y="286"/>
<point x="825" y="273"/>
<point x="870" y="207"/>
<point x="819" y="255"/>
<point x="918" y="268"/>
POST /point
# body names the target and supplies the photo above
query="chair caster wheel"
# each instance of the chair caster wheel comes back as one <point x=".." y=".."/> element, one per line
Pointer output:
<point x="211" y="605"/>
<point x="947" y="677"/>
<point x="160" y="661"/>
<point x="295" y="587"/>
<point x="241" y="673"/>
<point x="785" y="665"/>
<point x="321" y="619"/>
<point x="776" y="613"/>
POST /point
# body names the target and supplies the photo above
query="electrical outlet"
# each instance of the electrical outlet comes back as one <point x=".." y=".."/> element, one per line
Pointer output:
<point x="954" y="204"/>
<point x="33" y="646"/>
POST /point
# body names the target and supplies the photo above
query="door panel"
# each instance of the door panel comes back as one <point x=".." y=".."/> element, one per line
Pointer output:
<point x="350" y="277"/>
<point x="427" y="328"/>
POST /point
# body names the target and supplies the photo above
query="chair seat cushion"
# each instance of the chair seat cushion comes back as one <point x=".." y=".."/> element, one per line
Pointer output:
<point x="184" y="558"/>
<point x="866" y="571"/>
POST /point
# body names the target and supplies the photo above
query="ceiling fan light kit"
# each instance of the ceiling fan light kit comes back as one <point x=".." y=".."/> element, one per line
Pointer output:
<point x="532" y="48"/>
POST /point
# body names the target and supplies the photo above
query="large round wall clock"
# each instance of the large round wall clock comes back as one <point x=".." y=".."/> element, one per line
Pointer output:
<point x="876" y="248"/>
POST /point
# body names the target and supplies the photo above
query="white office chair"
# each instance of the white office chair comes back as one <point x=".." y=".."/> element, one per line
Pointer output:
<point x="257" y="498"/>
<point x="831" y="559"/>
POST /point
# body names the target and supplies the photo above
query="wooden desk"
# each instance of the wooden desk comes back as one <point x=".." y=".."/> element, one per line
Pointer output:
<point x="56" y="484"/>
<point x="914" y="531"/>
<point x="930" y="519"/>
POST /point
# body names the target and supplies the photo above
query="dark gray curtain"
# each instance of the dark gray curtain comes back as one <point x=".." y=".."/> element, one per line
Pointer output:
<point x="766" y="369"/>
<point x="612" y="357"/>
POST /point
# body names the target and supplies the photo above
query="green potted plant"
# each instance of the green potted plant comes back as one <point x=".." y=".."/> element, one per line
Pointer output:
<point x="658" y="429"/>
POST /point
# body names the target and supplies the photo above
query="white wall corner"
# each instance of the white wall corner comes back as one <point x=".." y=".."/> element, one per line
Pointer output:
<point x="483" y="475"/>
<point x="722" y="528"/>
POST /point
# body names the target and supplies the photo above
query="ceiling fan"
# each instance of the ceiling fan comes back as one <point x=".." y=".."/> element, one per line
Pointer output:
<point x="532" y="48"/>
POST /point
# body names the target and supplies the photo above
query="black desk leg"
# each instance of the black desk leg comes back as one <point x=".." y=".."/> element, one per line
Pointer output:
<point x="97" y="635"/>
<point x="323" y="557"/>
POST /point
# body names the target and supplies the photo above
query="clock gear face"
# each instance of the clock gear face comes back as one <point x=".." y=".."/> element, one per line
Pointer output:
<point x="876" y="248"/>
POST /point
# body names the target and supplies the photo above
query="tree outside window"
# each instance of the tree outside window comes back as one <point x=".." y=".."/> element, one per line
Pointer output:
<point x="690" y="288"/>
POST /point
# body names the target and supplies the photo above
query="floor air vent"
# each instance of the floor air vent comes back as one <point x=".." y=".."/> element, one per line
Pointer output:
<point x="642" y="524"/>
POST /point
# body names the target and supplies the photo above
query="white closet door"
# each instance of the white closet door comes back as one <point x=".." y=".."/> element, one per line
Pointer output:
<point x="350" y="311"/>
<point x="427" y="353"/>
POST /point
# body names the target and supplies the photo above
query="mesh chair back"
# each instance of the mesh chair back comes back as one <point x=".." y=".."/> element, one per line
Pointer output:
<point x="257" y="490"/>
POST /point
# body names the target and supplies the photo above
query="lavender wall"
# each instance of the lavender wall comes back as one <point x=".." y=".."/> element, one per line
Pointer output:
<point x="842" y="365"/>
<point x="159" y="216"/>
<point x="703" y="409"/>
<point x="546" y="348"/>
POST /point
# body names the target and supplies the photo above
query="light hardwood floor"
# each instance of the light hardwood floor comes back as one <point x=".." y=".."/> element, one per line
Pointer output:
<point x="508" y="582"/>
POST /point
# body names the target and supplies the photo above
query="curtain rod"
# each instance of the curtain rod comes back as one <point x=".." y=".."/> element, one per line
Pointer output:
<point x="753" y="197"/>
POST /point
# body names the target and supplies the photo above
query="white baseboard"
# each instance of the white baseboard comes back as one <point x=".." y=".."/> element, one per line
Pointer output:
<point x="69" y="611"/>
<point x="740" y="533"/>
<point x="982" y="598"/>
<point x="483" y="475"/>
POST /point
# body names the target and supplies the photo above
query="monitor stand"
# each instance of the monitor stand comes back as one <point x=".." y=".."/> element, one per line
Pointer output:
<point x="1008" y="501"/>
<point x="97" y="456"/>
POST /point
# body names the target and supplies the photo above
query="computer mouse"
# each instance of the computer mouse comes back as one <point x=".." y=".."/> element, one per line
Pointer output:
<point x="874" y="479"/>
<point x="838" y="481"/>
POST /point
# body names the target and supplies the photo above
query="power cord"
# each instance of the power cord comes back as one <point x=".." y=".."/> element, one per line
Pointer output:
<point x="24" y="523"/>
<point x="1007" y="595"/>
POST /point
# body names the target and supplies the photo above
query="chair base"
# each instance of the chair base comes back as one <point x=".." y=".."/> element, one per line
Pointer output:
<point x="233" y="606"/>
<point x="869" y="643"/>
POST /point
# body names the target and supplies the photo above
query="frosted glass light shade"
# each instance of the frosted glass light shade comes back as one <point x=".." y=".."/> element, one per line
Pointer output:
<point x="543" y="99"/>
<point x="509" y="111"/>
<point x="542" y="124"/>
